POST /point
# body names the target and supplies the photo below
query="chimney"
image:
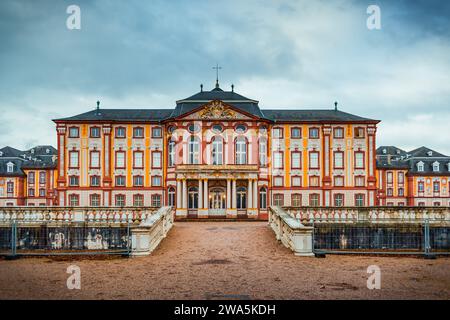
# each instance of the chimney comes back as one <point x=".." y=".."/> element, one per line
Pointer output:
<point x="97" y="111"/>
<point x="232" y="88"/>
<point x="201" y="87"/>
<point x="335" y="106"/>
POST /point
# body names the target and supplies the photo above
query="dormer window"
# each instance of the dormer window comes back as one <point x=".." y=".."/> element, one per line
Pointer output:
<point x="448" y="166"/>
<point x="32" y="151"/>
<point x="1" y="154"/>
<point x="436" y="166"/>
<point x="384" y="151"/>
<point x="47" y="151"/>
<point x="430" y="153"/>
<point x="10" y="167"/>
<point x="420" y="166"/>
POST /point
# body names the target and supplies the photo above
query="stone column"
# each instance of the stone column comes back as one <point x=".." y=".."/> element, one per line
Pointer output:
<point x="181" y="198"/>
<point x="184" y="194"/>
<point x="250" y="195"/>
<point x="255" y="194"/>
<point x="228" y="194"/>
<point x="206" y="194"/>
<point x="233" y="194"/>
<point x="200" y="194"/>
<point x="179" y="194"/>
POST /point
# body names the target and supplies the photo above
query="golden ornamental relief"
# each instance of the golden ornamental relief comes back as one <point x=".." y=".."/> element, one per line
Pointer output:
<point x="216" y="110"/>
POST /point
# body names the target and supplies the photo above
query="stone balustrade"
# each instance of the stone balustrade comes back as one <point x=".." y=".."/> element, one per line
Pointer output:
<point x="292" y="234"/>
<point x="104" y="215"/>
<point x="308" y="215"/>
<point x="147" y="236"/>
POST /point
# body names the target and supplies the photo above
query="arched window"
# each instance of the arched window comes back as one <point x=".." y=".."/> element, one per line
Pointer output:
<point x="194" y="150"/>
<point x="263" y="198"/>
<point x="241" y="194"/>
<point x="217" y="150"/>
<point x="241" y="150"/>
<point x="171" y="197"/>
<point x="193" y="198"/>
<point x="171" y="153"/>
<point x="263" y="152"/>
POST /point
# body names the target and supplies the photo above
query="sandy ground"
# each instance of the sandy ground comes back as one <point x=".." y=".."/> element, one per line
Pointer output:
<point x="234" y="260"/>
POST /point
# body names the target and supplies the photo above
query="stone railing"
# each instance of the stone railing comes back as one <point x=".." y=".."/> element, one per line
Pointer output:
<point x="291" y="232"/>
<point x="308" y="215"/>
<point x="104" y="215"/>
<point x="147" y="236"/>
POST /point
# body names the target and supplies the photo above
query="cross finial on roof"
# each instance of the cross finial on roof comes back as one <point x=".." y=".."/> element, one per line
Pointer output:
<point x="217" y="67"/>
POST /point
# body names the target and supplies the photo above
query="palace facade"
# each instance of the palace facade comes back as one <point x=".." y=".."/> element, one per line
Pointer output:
<point x="218" y="154"/>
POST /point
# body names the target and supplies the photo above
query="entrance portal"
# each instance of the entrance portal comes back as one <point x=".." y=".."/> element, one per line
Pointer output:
<point x="217" y="200"/>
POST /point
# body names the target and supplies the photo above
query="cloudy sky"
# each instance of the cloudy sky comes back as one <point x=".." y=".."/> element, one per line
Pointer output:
<point x="286" y="54"/>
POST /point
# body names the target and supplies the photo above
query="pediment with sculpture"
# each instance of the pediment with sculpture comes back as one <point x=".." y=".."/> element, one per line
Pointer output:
<point x="217" y="110"/>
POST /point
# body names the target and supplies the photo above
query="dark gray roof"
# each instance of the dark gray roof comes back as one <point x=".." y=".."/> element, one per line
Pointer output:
<point x="17" y="169"/>
<point x="312" y="115"/>
<point x="9" y="152"/>
<point x="423" y="152"/>
<point x="121" y="115"/>
<point x="38" y="159"/>
<point x="390" y="150"/>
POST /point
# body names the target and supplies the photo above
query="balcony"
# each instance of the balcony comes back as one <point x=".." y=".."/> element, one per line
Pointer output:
<point x="223" y="168"/>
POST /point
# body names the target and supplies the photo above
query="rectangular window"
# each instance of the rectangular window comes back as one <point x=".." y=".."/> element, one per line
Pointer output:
<point x="296" y="181"/>
<point x="420" y="186"/>
<point x="9" y="188"/>
<point x="121" y="132"/>
<point x="360" y="181"/>
<point x="120" y="159"/>
<point x="296" y="133"/>
<point x="156" y="181"/>
<point x="74" y="181"/>
<point x="263" y="152"/>
<point x="338" y="160"/>
<point x="95" y="159"/>
<point x="278" y="181"/>
<point x="138" y="181"/>
<point x="263" y="198"/>
<point x="314" y="160"/>
<point x="359" y="200"/>
<point x="389" y="192"/>
<point x="156" y="200"/>
<point x="74" y="132"/>
<point x="436" y="186"/>
<point x="74" y="200"/>
<point x="138" y="159"/>
<point x="296" y="200"/>
<point x="401" y="177"/>
<point x="42" y="177"/>
<point x="389" y="177"/>
<point x="31" y="192"/>
<point x="156" y="159"/>
<point x="42" y="192"/>
<point x="339" y="200"/>
<point x="277" y="133"/>
<point x="338" y="133"/>
<point x="401" y="192"/>
<point x="95" y="181"/>
<point x="157" y="132"/>
<point x="120" y="181"/>
<point x="278" y="159"/>
<point x="314" y="133"/>
<point x="138" y="200"/>
<point x="73" y="159"/>
<point x="338" y="181"/>
<point x="120" y="200"/>
<point x="314" y="200"/>
<point x="94" y="132"/>
<point x="296" y="160"/>
<point x="278" y="199"/>
<point x="359" y="132"/>
<point x="359" y="160"/>
<point x="31" y="177"/>
<point x="314" y="181"/>
<point x="138" y="132"/>
<point x="94" y="200"/>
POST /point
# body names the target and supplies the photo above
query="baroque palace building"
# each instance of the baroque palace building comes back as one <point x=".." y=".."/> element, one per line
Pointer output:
<point x="217" y="154"/>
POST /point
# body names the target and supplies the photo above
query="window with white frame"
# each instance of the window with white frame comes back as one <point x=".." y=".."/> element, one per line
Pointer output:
<point x="278" y="199"/>
<point x="194" y="150"/>
<point x="389" y="177"/>
<point x="401" y="178"/>
<point x="10" y="167"/>
<point x="156" y="200"/>
<point x="296" y="160"/>
<point x="296" y="200"/>
<point x="120" y="181"/>
<point x="95" y="159"/>
<point x="157" y="132"/>
<point x="338" y="159"/>
<point x="359" y="200"/>
<point x="138" y="159"/>
<point x="138" y="132"/>
<point x="338" y="181"/>
<point x="74" y="132"/>
<point x="314" y="200"/>
<point x="278" y="160"/>
<point x="31" y="177"/>
<point x="277" y="133"/>
<point x="171" y="160"/>
<point x="217" y="151"/>
<point x="156" y="159"/>
<point x="278" y="181"/>
<point x="296" y="133"/>
<point x="9" y="187"/>
<point x="74" y="200"/>
<point x="338" y="200"/>
<point x="241" y="150"/>
<point x="359" y="160"/>
<point x="263" y="152"/>
<point x="156" y="181"/>
<point x="314" y="133"/>
<point x="436" y="186"/>
<point x="120" y="200"/>
<point x="121" y="132"/>
<point x="73" y="159"/>
<point x="74" y="181"/>
<point x="420" y="166"/>
<point x="171" y="197"/>
<point x="436" y="166"/>
<point x="360" y="181"/>
<point x="31" y="192"/>
<point x="314" y="160"/>
<point x="42" y="177"/>
<point x="138" y="181"/>
<point x="338" y="133"/>
<point x="138" y="200"/>
<point x="120" y="159"/>
<point x="314" y="181"/>
<point x="95" y="200"/>
<point x="420" y="186"/>
<point x="95" y="181"/>
<point x="263" y="198"/>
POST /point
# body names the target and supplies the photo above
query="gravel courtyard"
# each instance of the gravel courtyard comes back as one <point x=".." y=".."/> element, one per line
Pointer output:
<point x="232" y="260"/>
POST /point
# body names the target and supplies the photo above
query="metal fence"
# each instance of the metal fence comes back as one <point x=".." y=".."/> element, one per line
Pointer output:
<point x="384" y="237"/>
<point x="49" y="238"/>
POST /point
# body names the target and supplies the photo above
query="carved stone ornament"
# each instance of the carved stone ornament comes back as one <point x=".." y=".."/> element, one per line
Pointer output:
<point x="216" y="110"/>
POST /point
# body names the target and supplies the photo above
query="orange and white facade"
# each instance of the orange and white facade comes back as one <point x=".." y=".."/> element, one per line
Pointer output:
<point x="216" y="154"/>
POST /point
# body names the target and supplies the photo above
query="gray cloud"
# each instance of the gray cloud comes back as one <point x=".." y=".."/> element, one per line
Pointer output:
<point x="285" y="54"/>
